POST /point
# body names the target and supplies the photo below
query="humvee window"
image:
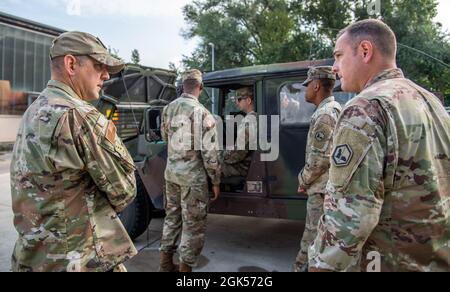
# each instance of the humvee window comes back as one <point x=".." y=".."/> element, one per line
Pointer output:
<point x="205" y="98"/>
<point x="230" y="104"/>
<point x="294" y="110"/>
<point x="342" y="97"/>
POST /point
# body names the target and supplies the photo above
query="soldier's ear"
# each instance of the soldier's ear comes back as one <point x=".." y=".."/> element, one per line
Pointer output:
<point x="366" y="51"/>
<point x="316" y="85"/>
<point x="69" y="64"/>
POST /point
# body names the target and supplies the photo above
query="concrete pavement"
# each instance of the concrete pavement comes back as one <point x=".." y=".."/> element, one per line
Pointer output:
<point x="233" y="244"/>
<point x="7" y="232"/>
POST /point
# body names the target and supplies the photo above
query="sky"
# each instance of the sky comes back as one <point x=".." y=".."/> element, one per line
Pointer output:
<point x="152" y="26"/>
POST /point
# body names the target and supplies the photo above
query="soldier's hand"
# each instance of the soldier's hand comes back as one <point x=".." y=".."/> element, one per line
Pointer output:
<point x="301" y="190"/>
<point x="216" y="192"/>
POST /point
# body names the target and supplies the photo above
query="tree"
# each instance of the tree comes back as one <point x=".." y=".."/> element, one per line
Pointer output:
<point x="244" y="32"/>
<point x="174" y="68"/>
<point x="423" y="47"/>
<point x="135" y="57"/>
<point x="249" y="32"/>
<point x="114" y="52"/>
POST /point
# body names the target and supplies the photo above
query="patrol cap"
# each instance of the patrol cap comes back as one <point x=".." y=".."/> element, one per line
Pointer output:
<point x="321" y="72"/>
<point x="193" y="74"/>
<point x="244" y="91"/>
<point x="83" y="44"/>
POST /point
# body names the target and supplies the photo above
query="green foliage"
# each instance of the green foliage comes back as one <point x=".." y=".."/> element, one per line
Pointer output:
<point x="251" y="32"/>
<point x="135" y="57"/>
<point x="114" y="53"/>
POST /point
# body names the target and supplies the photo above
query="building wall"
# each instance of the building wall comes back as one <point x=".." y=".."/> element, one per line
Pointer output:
<point x="24" y="58"/>
<point x="24" y="70"/>
<point x="10" y="127"/>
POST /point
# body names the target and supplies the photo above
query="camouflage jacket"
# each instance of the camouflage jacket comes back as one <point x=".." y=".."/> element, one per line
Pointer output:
<point x="190" y="132"/>
<point x="388" y="199"/>
<point x="70" y="174"/>
<point x="314" y="176"/>
<point x="246" y="142"/>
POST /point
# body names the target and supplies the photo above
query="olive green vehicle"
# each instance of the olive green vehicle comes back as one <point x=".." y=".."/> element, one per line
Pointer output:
<point x="270" y="188"/>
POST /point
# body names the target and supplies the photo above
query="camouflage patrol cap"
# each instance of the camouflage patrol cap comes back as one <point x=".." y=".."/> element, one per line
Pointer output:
<point x="83" y="44"/>
<point x="244" y="91"/>
<point x="193" y="75"/>
<point x="321" y="72"/>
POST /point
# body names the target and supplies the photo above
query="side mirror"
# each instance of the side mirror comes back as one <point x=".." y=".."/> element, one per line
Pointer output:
<point x="107" y="106"/>
<point x="153" y="118"/>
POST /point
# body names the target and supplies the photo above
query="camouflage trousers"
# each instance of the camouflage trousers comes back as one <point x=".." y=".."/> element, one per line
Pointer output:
<point x="314" y="211"/>
<point x="186" y="213"/>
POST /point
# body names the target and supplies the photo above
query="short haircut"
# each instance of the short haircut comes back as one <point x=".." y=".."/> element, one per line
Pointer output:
<point x="376" y="31"/>
<point x="190" y="85"/>
<point x="251" y="95"/>
<point x="57" y="64"/>
<point x="327" y="84"/>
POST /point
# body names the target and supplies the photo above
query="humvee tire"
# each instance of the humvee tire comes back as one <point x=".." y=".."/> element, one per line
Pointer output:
<point x="138" y="215"/>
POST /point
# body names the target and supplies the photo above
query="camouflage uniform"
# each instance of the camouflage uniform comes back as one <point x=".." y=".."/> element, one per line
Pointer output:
<point x="389" y="187"/>
<point x="70" y="174"/>
<point x="237" y="162"/>
<point x="314" y="176"/>
<point x="186" y="195"/>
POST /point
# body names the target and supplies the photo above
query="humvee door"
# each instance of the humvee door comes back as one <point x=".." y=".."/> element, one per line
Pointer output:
<point x="284" y="97"/>
<point x="226" y="109"/>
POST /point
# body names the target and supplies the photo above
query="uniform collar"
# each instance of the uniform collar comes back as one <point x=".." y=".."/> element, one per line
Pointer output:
<point x="325" y="101"/>
<point x="386" y="75"/>
<point x="64" y="87"/>
<point x="190" y="96"/>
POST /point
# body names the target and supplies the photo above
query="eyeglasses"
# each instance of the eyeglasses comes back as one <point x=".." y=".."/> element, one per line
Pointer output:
<point x="239" y="99"/>
<point x="97" y="65"/>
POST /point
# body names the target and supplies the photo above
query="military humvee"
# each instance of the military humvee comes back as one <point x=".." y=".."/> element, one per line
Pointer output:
<point x="270" y="187"/>
<point x="125" y="99"/>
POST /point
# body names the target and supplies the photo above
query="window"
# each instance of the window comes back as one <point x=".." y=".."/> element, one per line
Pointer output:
<point x="206" y="98"/>
<point x="294" y="110"/>
<point x="24" y="68"/>
<point x="230" y="104"/>
<point x="342" y="97"/>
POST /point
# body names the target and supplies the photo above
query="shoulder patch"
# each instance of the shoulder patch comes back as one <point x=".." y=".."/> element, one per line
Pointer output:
<point x="320" y="136"/>
<point x="342" y="155"/>
<point x="111" y="133"/>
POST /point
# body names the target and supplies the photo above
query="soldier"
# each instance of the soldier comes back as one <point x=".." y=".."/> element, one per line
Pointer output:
<point x="387" y="204"/>
<point x="314" y="176"/>
<point x="70" y="172"/>
<point x="237" y="162"/>
<point x="190" y="132"/>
